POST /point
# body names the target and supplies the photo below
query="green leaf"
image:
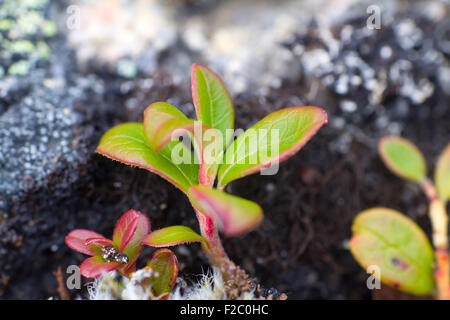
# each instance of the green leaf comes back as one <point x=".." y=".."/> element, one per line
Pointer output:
<point x="161" y="122"/>
<point x="273" y="139"/>
<point x="233" y="215"/>
<point x="212" y="101"/>
<point x="164" y="123"/>
<point x="442" y="174"/>
<point x="171" y="236"/>
<point x="403" y="158"/>
<point x="211" y="155"/>
<point x="164" y="263"/>
<point x="397" y="246"/>
<point x="126" y="143"/>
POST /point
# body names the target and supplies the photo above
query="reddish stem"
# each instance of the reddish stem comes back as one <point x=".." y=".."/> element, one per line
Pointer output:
<point x="430" y="190"/>
<point x="441" y="274"/>
<point x="213" y="248"/>
<point x="439" y="221"/>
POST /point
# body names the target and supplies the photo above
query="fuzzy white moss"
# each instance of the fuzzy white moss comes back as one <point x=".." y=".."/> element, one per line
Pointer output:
<point x="210" y="287"/>
<point x="113" y="286"/>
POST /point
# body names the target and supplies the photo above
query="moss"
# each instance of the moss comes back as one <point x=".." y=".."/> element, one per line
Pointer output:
<point x="22" y="46"/>
<point x="49" y="28"/>
<point x="19" y="68"/>
<point x="29" y="22"/>
<point x="43" y="49"/>
<point x="6" y="24"/>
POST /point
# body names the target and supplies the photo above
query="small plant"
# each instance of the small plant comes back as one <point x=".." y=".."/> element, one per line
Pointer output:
<point x="396" y="244"/>
<point x="154" y="145"/>
<point x="132" y="231"/>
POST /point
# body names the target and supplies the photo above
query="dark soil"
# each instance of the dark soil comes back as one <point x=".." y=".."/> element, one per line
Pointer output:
<point x="299" y="249"/>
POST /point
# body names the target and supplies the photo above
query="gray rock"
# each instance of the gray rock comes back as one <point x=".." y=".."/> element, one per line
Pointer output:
<point x="36" y="136"/>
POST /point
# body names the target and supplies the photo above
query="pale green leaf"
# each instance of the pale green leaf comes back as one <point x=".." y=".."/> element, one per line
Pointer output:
<point x="403" y="158"/>
<point x="394" y="245"/>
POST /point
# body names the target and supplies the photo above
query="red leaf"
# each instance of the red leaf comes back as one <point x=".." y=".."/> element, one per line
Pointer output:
<point x="96" y="244"/>
<point x="127" y="269"/>
<point x="77" y="240"/>
<point x="95" y="266"/>
<point x="129" y="233"/>
<point x="99" y="241"/>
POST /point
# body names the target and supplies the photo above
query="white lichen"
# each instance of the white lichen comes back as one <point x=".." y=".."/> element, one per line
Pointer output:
<point x="105" y="287"/>
<point x="113" y="286"/>
<point x="210" y="287"/>
<point x="133" y="288"/>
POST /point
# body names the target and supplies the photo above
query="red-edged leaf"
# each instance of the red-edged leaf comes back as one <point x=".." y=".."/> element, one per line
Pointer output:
<point x="403" y="158"/>
<point x="164" y="123"/>
<point x="272" y="140"/>
<point x="442" y="174"/>
<point x="99" y="241"/>
<point x="126" y="143"/>
<point x="129" y="268"/>
<point x="162" y="296"/>
<point x="212" y="101"/>
<point x="94" y="267"/>
<point x="233" y="215"/>
<point x="165" y="265"/>
<point x="129" y="233"/>
<point x="96" y="244"/>
<point x="76" y="240"/>
<point x="172" y="236"/>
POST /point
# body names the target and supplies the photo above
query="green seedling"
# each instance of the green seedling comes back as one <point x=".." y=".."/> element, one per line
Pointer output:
<point x="396" y="244"/>
<point x="216" y="159"/>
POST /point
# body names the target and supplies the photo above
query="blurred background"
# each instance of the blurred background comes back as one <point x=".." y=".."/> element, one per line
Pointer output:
<point x="70" y="70"/>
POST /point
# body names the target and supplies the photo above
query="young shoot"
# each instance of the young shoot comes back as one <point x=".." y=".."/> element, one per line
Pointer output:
<point x="217" y="160"/>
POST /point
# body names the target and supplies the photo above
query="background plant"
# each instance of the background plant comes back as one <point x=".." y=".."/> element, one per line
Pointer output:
<point x="150" y="144"/>
<point x="395" y="243"/>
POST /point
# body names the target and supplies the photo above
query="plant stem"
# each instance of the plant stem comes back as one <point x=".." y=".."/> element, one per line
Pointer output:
<point x="439" y="222"/>
<point x="208" y="227"/>
<point x="213" y="246"/>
